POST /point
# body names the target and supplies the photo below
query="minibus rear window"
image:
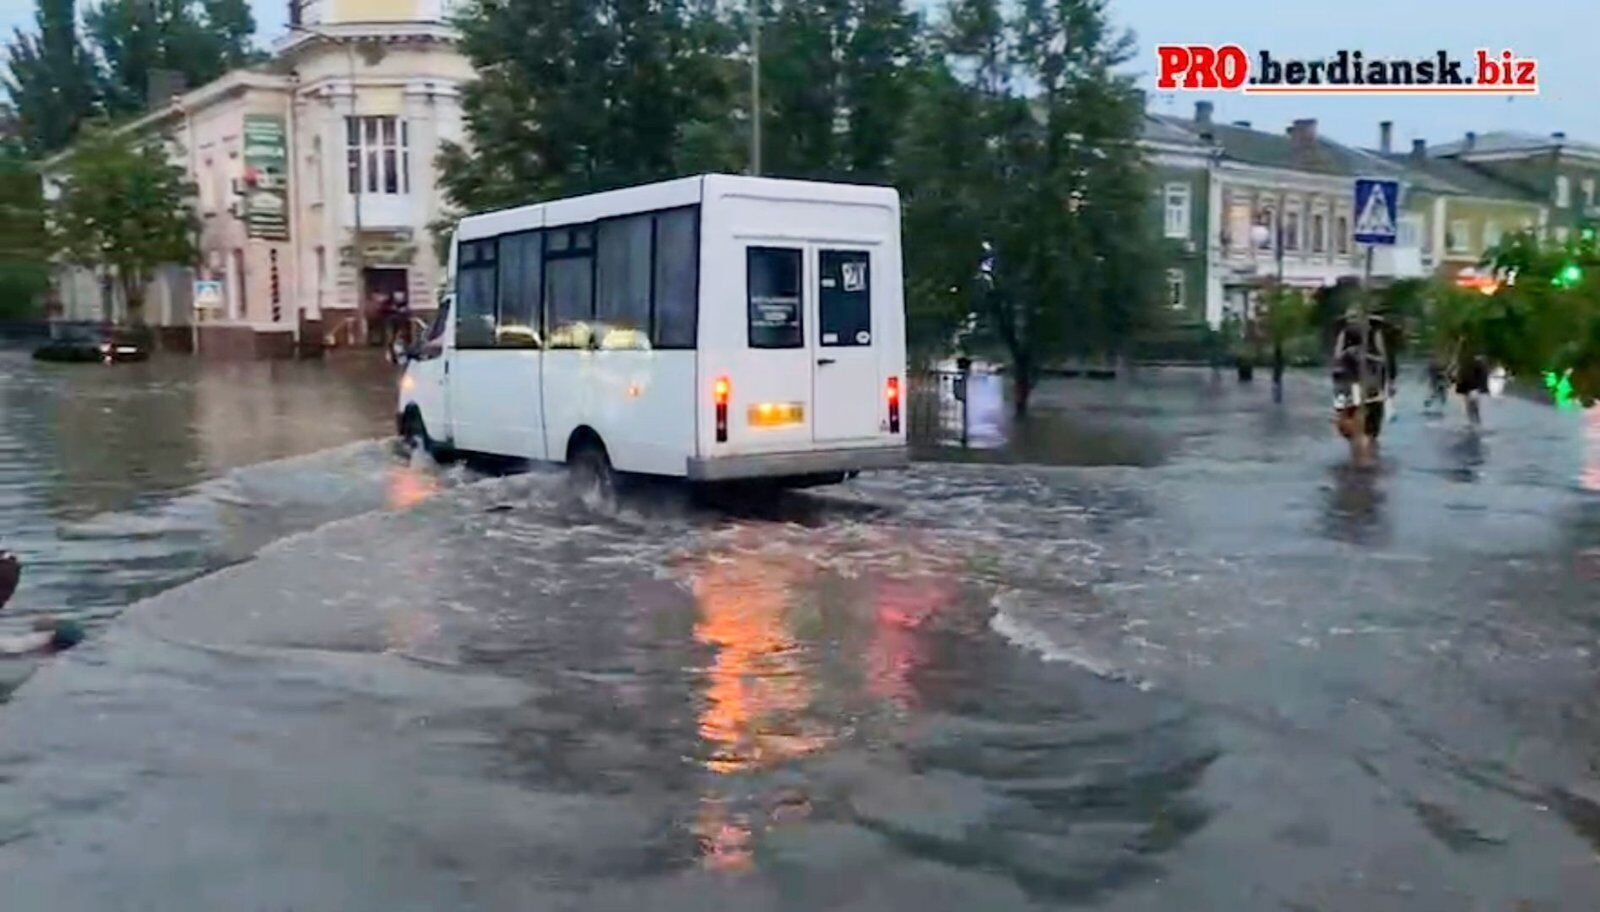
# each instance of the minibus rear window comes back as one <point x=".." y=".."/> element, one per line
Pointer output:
<point x="773" y="286"/>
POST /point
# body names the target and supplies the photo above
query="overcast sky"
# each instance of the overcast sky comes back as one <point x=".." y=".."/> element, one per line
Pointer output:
<point x="1561" y="34"/>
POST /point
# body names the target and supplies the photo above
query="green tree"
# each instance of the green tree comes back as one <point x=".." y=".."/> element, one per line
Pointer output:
<point x="1050" y="182"/>
<point x="50" y="80"/>
<point x="123" y="209"/>
<point x="24" y="270"/>
<point x="582" y="95"/>
<point x="199" y="40"/>
<point x="837" y="79"/>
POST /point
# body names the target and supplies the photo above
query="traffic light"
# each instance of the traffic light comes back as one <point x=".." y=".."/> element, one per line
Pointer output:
<point x="1568" y="276"/>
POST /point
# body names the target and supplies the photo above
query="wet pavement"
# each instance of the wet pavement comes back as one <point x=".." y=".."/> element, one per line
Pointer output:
<point x="1210" y="665"/>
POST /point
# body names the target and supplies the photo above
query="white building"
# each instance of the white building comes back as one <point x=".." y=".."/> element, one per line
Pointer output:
<point x="315" y="179"/>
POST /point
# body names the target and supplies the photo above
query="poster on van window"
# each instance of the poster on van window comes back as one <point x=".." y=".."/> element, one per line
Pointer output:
<point x="264" y="192"/>
<point x="845" y="300"/>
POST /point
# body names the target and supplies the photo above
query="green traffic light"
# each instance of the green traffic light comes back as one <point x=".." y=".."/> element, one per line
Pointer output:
<point x="1569" y="275"/>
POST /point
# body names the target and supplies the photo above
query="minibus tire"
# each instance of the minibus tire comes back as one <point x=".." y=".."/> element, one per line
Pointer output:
<point x="414" y="431"/>
<point x="590" y="464"/>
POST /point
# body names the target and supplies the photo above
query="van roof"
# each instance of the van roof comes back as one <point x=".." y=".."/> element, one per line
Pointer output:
<point x="683" y="191"/>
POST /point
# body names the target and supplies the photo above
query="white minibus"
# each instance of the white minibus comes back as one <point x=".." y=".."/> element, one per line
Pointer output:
<point x="715" y="328"/>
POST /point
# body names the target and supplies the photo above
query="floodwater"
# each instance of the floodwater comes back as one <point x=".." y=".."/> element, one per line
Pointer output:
<point x="1210" y="665"/>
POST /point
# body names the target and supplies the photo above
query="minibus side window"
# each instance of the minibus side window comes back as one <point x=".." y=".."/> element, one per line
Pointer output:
<point x="520" y="271"/>
<point x="844" y="298"/>
<point x="475" y="295"/>
<point x="677" y="270"/>
<point x="622" y="277"/>
<point x="773" y="288"/>
<point x="569" y="301"/>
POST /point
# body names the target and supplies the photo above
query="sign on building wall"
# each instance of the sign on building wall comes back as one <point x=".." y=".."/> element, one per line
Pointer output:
<point x="265" y="196"/>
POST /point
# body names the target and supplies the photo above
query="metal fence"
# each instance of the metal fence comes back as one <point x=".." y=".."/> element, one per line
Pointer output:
<point x="936" y="407"/>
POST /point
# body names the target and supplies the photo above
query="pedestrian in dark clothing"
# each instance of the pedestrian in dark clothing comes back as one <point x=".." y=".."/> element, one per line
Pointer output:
<point x="1472" y="381"/>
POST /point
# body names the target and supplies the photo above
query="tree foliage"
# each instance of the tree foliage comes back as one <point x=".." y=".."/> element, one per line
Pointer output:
<point x="1028" y="156"/>
<point x="837" y="80"/>
<point x="197" y="39"/>
<point x="58" y="79"/>
<point x="24" y="274"/>
<point x="50" y="80"/>
<point x="581" y="95"/>
<point x="123" y="209"/>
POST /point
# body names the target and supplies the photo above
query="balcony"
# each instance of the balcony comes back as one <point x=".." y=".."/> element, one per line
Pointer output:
<point x="383" y="210"/>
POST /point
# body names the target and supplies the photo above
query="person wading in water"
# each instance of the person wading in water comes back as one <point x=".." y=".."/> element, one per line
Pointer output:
<point x="1363" y="380"/>
<point x="49" y="634"/>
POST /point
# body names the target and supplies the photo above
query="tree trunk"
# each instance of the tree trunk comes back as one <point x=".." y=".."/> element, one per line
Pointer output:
<point x="1022" y="391"/>
<point x="133" y="288"/>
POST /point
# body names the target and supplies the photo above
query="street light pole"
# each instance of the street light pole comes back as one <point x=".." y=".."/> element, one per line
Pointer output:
<point x="1277" y="301"/>
<point x="755" y="87"/>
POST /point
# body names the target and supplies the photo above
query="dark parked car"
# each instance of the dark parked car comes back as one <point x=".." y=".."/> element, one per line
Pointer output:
<point x="80" y="343"/>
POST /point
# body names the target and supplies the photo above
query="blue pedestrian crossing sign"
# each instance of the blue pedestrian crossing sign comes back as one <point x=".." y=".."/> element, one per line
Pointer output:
<point x="1376" y="219"/>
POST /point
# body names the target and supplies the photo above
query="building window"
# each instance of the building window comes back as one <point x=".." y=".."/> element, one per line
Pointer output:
<point x="1459" y="238"/>
<point x="1177" y="210"/>
<point x="1588" y="191"/>
<point x="1341" y="233"/>
<point x="1319" y="224"/>
<point x="1291" y="231"/>
<point x="1491" y="233"/>
<point x="1175" y="289"/>
<point x="377" y="155"/>
<point x="1563" y="191"/>
<point x="1239" y="226"/>
<point x="1408" y="230"/>
<point x="1269" y="221"/>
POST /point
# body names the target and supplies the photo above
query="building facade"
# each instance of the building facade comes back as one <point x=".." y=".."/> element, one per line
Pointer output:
<point x="1180" y="168"/>
<point x="315" y="186"/>
<point x="1563" y="174"/>
<point x="1278" y="207"/>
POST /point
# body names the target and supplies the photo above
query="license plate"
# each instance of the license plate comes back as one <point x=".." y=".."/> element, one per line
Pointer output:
<point x="776" y="414"/>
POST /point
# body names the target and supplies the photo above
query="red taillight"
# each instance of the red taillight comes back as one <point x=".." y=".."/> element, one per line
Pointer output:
<point x="719" y="396"/>
<point x="892" y="393"/>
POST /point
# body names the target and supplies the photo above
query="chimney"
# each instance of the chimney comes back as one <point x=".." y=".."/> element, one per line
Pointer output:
<point x="1559" y="135"/>
<point x="1245" y="124"/>
<point x="1472" y="140"/>
<point x="1419" y="149"/>
<point x="1303" y="133"/>
<point x="161" y="86"/>
<point x="1385" y="136"/>
<point x="1202" y="113"/>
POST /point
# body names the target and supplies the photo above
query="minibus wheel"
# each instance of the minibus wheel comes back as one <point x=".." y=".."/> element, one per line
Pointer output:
<point x="591" y="470"/>
<point x="414" y="433"/>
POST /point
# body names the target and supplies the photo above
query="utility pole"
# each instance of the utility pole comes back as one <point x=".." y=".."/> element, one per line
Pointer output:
<point x="755" y="87"/>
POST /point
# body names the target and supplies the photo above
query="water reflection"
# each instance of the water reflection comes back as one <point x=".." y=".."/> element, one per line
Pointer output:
<point x="409" y="485"/>
<point x="1355" y="507"/>
<point x="1589" y="476"/>
<point x="758" y="687"/>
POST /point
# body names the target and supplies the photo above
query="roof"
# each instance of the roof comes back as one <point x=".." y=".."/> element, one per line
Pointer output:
<point x="1277" y="150"/>
<point x="1512" y="141"/>
<point x="1450" y="175"/>
<point x="1156" y="130"/>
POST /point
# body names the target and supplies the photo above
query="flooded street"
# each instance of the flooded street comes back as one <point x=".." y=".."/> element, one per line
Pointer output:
<point x="1163" y="649"/>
